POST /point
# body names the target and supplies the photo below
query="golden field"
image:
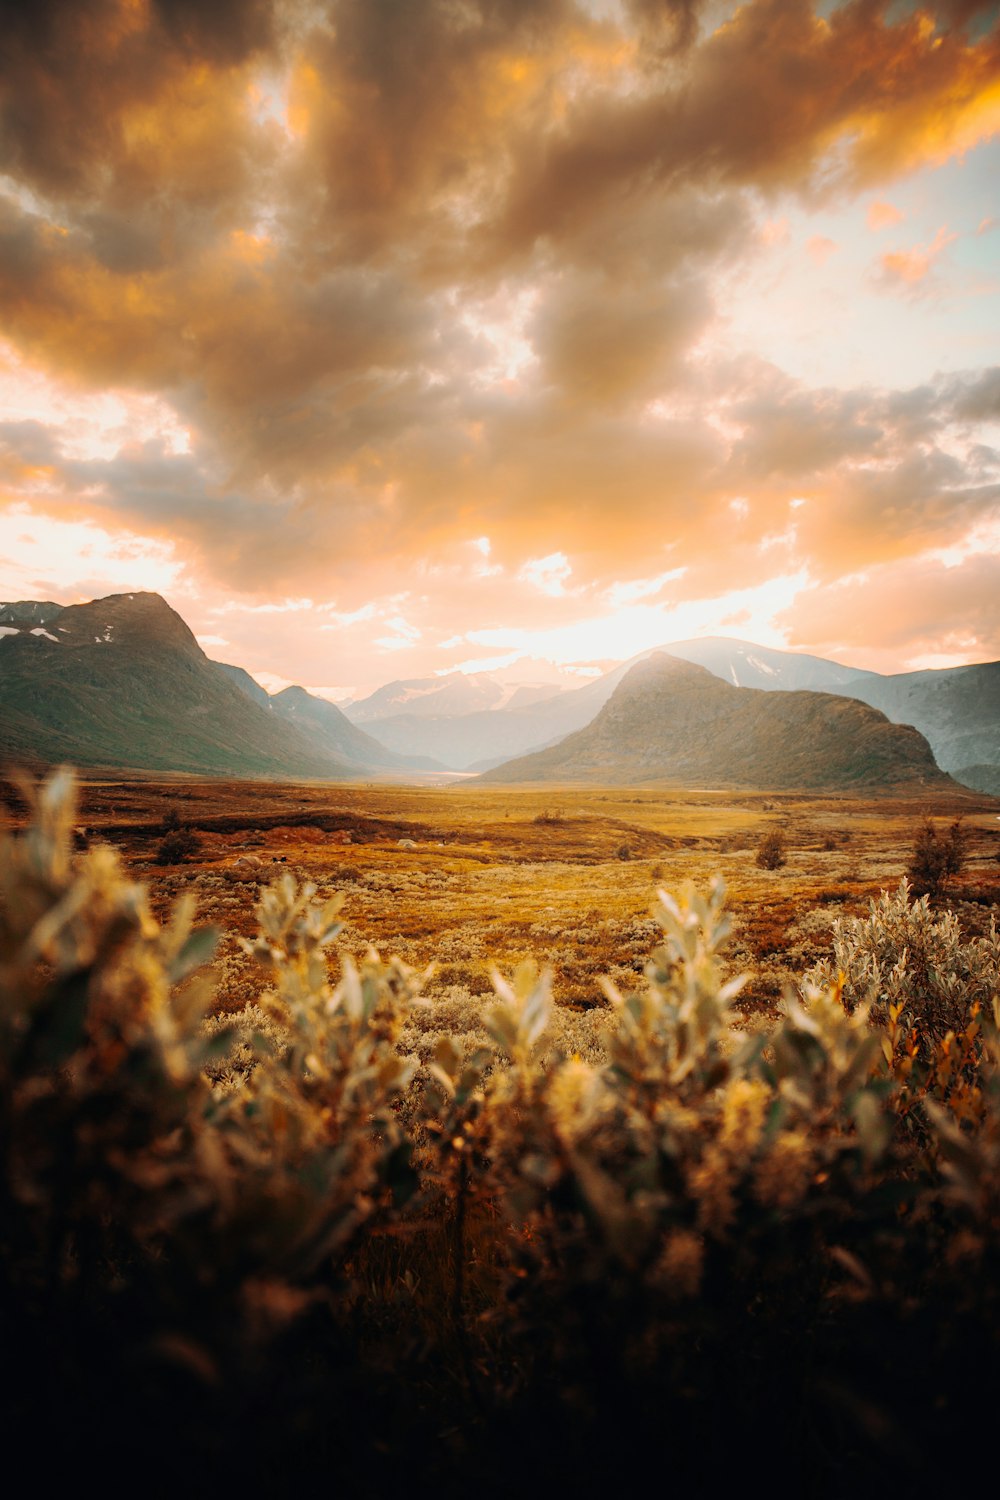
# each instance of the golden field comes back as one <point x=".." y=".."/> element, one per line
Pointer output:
<point x="467" y="877"/>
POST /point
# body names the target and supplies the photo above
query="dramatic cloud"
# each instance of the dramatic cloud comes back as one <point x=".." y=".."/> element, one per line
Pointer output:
<point x="311" y="295"/>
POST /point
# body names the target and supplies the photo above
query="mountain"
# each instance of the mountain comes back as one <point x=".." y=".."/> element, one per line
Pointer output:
<point x="980" y="778"/>
<point x="245" y="683"/>
<point x="122" y="681"/>
<point x="411" y="715"/>
<point x="475" y="740"/>
<point x="672" y="720"/>
<point x="746" y="665"/>
<point x="957" y="709"/>
<point x="451" y="695"/>
<point x="27" y="614"/>
<point x="324" y="725"/>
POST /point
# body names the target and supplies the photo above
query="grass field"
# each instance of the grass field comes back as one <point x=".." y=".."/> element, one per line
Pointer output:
<point x="468" y="876"/>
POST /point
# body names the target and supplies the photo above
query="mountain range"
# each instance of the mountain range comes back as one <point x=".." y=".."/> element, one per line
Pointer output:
<point x="447" y="696"/>
<point x="956" y="708"/>
<point x="671" y="720"/>
<point x="122" y="681"/>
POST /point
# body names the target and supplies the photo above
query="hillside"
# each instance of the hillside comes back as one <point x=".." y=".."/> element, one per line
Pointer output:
<point x="423" y="718"/>
<point x="671" y="720"/>
<point x="957" y="709"/>
<point x="122" y="681"/>
<point x="323" y="724"/>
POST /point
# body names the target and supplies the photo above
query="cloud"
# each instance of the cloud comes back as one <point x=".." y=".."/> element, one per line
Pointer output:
<point x="882" y="215"/>
<point x="976" y="398"/>
<point x="665" y="27"/>
<point x="819" y="248"/>
<point x="764" y="100"/>
<point x="599" y="340"/>
<point x="548" y="574"/>
<point x="81" y="77"/>
<point x="908" y="270"/>
<point x="791" y="434"/>
<point x="895" y="609"/>
<point x="466" y="275"/>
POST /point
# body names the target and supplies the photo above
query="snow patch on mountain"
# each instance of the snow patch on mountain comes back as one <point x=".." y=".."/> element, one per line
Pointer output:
<point x="19" y="630"/>
<point x="762" y="666"/>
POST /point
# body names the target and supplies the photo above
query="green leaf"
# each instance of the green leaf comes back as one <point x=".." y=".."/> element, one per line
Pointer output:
<point x="197" y="950"/>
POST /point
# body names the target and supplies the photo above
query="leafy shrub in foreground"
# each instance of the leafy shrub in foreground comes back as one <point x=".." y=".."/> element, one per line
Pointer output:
<point x="124" y="1165"/>
<point x="911" y="965"/>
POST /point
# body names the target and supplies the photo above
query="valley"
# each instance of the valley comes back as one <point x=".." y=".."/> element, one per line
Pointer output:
<point x="123" y="681"/>
<point x="472" y="875"/>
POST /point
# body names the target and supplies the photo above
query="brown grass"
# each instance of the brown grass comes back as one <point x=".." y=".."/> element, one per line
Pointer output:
<point x="496" y="874"/>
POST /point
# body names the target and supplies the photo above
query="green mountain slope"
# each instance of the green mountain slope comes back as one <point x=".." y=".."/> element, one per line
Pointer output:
<point x="671" y="720"/>
<point x="123" y="682"/>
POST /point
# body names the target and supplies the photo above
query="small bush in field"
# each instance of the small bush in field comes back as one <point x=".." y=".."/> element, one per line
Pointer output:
<point x="178" y="845"/>
<point x="938" y="855"/>
<point x="771" y="852"/>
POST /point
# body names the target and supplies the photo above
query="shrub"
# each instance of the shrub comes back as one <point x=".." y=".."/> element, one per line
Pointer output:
<point x="937" y="856"/>
<point x="771" y="851"/>
<point x="178" y="845"/>
<point x="123" y="1165"/>
<point x="902" y="957"/>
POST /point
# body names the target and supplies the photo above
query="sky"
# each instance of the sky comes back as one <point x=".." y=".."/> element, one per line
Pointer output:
<point x="390" y="337"/>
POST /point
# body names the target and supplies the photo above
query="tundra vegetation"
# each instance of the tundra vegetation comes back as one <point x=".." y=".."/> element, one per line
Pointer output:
<point x="361" y="1218"/>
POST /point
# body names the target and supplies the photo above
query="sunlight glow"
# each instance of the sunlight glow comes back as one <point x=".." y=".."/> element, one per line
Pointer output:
<point x="70" y="561"/>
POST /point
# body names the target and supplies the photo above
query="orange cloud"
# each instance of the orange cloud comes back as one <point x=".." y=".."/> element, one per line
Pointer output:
<point x="909" y="268"/>
<point x="919" y="609"/>
<point x="819" y="248"/>
<point x="882" y="215"/>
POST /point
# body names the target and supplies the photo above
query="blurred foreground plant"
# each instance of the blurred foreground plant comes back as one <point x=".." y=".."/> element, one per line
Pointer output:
<point x="123" y="1162"/>
<point x="101" y="1051"/>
